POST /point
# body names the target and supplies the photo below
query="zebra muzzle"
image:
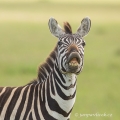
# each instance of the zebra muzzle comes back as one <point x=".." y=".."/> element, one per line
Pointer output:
<point x="73" y="61"/>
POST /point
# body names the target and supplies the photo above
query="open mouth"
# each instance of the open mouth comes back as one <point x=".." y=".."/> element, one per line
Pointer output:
<point x="73" y="62"/>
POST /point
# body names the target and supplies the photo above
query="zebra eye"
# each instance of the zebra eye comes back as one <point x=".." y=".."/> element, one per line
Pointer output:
<point x="83" y="44"/>
<point x="59" y="43"/>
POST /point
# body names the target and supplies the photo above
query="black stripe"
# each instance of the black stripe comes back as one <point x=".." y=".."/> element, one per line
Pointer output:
<point x="30" y="116"/>
<point x="20" y="108"/>
<point x="43" y="108"/>
<point x="65" y="87"/>
<point x="54" y="106"/>
<point x="52" y="87"/>
<point x="30" y="98"/>
<point x="61" y="94"/>
<point x="4" y="97"/>
<point x="41" y="74"/>
<point x="59" y="73"/>
<point x="12" y="103"/>
<point x="47" y="67"/>
<point x="35" y="102"/>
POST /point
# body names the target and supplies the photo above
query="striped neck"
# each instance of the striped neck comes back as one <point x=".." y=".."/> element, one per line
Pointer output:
<point x="46" y="68"/>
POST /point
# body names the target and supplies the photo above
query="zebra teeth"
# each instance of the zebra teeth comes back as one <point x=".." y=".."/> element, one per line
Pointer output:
<point x="76" y="64"/>
<point x="73" y="64"/>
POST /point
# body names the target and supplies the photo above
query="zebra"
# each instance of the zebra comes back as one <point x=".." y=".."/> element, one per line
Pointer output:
<point x="51" y="96"/>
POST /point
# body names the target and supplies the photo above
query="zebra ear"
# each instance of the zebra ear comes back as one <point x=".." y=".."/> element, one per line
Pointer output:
<point x="85" y="27"/>
<point x="55" y="28"/>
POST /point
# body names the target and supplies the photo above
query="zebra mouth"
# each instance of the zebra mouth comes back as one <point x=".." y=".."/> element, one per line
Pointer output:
<point x="73" y="62"/>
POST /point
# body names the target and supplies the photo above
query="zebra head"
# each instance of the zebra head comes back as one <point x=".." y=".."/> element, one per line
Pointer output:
<point x="70" y="47"/>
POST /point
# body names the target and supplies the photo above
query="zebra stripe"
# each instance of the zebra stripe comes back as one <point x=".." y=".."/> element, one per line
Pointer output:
<point x="17" y="105"/>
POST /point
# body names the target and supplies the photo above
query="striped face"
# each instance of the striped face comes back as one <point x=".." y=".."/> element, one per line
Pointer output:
<point x="70" y="53"/>
<point x="70" y="46"/>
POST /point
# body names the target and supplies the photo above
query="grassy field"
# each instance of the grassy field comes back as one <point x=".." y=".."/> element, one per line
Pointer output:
<point x="25" y="42"/>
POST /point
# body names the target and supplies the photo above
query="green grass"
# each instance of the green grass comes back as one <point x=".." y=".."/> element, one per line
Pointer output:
<point x="25" y="42"/>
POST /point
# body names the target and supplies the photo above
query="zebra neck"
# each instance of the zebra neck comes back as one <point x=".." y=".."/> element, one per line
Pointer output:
<point x="70" y="79"/>
<point x="46" y="68"/>
<point x="63" y="90"/>
<point x="67" y="79"/>
<point x="67" y="82"/>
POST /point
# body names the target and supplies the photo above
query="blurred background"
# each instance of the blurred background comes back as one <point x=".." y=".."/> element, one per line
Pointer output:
<point x="25" y="42"/>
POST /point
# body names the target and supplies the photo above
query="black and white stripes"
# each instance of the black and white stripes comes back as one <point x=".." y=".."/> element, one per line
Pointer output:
<point x="51" y="96"/>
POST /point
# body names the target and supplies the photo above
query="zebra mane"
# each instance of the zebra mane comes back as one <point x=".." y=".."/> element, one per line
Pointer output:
<point x="45" y="68"/>
<point x="67" y="28"/>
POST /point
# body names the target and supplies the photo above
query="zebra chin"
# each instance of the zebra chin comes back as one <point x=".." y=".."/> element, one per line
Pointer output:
<point x="75" y="70"/>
